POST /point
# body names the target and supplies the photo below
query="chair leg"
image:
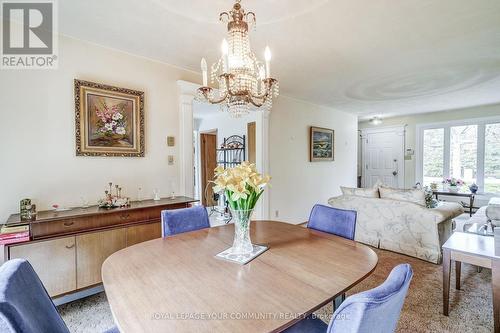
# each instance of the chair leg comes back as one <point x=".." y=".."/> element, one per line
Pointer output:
<point x="337" y="301"/>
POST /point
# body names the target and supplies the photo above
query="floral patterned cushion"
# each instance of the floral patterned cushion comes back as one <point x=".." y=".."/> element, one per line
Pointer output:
<point x="412" y="195"/>
<point x="361" y="192"/>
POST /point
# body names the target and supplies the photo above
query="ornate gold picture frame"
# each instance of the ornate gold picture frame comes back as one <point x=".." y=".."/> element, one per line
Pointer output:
<point x="109" y="121"/>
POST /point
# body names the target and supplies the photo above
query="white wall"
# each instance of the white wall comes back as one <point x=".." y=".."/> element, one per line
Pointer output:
<point x="298" y="184"/>
<point x="37" y="130"/>
<point x="226" y="125"/>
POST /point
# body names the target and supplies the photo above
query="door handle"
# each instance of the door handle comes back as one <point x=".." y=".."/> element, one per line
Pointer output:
<point x="395" y="172"/>
<point x="70" y="246"/>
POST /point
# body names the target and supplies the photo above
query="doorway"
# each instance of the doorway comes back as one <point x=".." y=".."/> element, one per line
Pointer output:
<point x="208" y="163"/>
<point x="189" y="144"/>
<point x="383" y="156"/>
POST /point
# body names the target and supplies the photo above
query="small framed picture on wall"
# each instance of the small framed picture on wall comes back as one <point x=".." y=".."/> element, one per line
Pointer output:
<point x="109" y="120"/>
<point x="321" y="144"/>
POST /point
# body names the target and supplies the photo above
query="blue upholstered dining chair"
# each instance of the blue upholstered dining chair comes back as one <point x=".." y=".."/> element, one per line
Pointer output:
<point x="176" y="221"/>
<point x="334" y="221"/>
<point x="25" y="306"/>
<point x="372" y="311"/>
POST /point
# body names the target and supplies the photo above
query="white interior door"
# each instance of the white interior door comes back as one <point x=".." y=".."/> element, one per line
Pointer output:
<point x="383" y="156"/>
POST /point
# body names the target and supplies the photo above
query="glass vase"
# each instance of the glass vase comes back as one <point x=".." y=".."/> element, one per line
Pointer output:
<point x="242" y="244"/>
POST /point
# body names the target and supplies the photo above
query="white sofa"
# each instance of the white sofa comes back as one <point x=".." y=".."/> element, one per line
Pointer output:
<point x="401" y="226"/>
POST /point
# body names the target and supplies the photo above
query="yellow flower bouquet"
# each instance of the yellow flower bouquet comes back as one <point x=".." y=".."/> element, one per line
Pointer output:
<point x="243" y="186"/>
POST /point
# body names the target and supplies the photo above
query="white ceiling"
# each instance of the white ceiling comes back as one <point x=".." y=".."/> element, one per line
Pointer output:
<point x="383" y="57"/>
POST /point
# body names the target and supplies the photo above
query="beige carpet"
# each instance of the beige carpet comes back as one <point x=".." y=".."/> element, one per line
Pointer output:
<point x="470" y="308"/>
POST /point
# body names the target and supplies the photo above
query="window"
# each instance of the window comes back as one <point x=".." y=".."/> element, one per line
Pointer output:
<point x="433" y="155"/>
<point x="469" y="150"/>
<point x="463" y="153"/>
<point x="492" y="158"/>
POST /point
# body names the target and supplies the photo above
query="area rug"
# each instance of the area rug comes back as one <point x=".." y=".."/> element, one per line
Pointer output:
<point x="471" y="307"/>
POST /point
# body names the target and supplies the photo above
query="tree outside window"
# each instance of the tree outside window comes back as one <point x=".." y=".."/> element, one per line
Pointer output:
<point x="492" y="158"/>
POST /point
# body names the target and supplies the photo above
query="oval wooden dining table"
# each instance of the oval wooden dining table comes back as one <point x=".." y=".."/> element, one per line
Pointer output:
<point x="176" y="284"/>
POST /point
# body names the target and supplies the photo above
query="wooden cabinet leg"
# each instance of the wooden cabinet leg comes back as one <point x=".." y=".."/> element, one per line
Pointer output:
<point x="458" y="271"/>
<point x="495" y="282"/>
<point x="446" y="280"/>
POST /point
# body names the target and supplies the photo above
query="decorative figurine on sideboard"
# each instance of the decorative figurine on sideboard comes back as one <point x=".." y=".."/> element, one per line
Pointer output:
<point x="58" y="208"/>
<point x="474" y="188"/>
<point x="156" y="193"/>
<point x="113" y="201"/>
<point x="25" y="209"/>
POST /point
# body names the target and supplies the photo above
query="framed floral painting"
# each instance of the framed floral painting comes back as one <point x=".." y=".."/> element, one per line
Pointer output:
<point x="109" y="120"/>
<point x="321" y="144"/>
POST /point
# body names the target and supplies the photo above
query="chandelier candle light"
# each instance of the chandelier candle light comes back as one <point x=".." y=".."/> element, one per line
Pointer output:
<point x="243" y="80"/>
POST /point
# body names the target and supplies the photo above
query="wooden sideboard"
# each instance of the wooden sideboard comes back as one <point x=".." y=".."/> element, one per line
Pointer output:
<point x="67" y="248"/>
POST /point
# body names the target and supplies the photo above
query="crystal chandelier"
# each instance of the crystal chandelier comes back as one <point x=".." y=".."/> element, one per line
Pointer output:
<point x="243" y="80"/>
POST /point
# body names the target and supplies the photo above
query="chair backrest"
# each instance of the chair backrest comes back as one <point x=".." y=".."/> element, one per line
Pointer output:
<point x="335" y="221"/>
<point x="25" y="306"/>
<point x="176" y="221"/>
<point x="376" y="310"/>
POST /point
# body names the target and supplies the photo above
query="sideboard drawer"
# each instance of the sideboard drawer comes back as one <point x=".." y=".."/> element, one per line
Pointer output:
<point x="105" y="220"/>
<point x="90" y="223"/>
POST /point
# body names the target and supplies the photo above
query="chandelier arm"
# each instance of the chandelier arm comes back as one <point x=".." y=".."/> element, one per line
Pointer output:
<point x="217" y="101"/>
<point x="206" y="90"/>
<point x="269" y="87"/>
<point x="265" y="94"/>
<point x="255" y="103"/>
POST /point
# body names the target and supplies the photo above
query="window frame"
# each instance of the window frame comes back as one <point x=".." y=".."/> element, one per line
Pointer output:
<point x="447" y="125"/>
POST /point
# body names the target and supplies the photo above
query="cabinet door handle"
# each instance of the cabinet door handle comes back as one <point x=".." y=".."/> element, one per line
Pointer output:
<point x="70" y="246"/>
<point x="125" y="216"/>
<point x="68" y="224"/>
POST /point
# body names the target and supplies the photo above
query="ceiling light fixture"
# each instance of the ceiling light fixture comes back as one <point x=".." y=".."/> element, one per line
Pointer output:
<point x="243" y="80"/>
<point x="376" y="120"/>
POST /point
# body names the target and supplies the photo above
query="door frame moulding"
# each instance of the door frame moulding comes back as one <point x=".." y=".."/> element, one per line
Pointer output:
<point x="187" y="92"/>
<point x="401" y="131"/>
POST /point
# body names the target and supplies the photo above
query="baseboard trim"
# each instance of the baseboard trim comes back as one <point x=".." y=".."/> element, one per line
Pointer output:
<point x="77" y="295"/>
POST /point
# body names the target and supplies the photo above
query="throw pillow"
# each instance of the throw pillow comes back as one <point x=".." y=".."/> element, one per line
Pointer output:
<point x="361" y="192"/>
<point x="412" y="195"/>
<point x="430" y="201"/>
